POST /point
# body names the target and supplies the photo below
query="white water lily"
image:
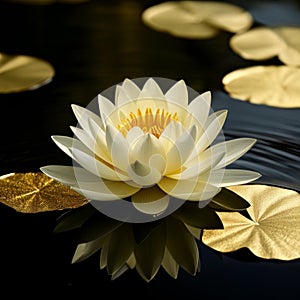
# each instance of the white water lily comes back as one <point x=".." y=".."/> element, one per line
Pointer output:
<point x="150" y="147"/>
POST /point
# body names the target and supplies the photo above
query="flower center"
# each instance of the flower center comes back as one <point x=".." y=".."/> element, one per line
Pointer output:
<point x="149" y="122"/>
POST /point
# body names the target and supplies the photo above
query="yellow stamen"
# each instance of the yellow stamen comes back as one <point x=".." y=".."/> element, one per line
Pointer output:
<point x="149" y="122"/>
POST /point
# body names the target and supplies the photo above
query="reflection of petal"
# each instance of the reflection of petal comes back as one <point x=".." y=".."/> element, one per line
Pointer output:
<point x="170" y="264"/>
<point x="150" y="201"/>
<point x="182" y="246"/>
<point x="120" y="247"/>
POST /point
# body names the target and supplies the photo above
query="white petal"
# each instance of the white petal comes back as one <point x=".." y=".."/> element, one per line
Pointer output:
<point x="151" y="89"/>
<point x="235" y="177"/>
<point x="128" y="91"/>
<point x="144" y="175"/>
<point x="200" y="108"/>
<point x="65" y="143"/>
<point x="119" y="149"/>
<point x="83" y="115"/>
<point x="171" y="133"/>
<point x="145" y="147"/>
<point x="104" y="190"/>
<point x="195" y="190"/>
<point x="207" y="97"/>
<point x="150" y="201"/>
<point x="68" y="175"/>
<point x="106" y="108"/>
<point x="97" y="167"/>
<point x="213" y="127"/>
<point x="234" y="149"/>
<point x="178" y="94"/>
<point x="181" y="150"/>
<point x="99" y="149"/>
<point x="206" y="163"/>
<point x="134" y="134"/>
<point x="121" y="96"/>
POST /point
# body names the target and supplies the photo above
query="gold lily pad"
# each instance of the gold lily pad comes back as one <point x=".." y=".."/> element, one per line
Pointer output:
<point x="263" y="43"/>
<point x="36" y="192"/>
<point x="269" y="85"/>
<point x="46" y="2"/>
<point x="197" y="19"/>
<point x="273" y="232"/>
<point x="20" y="73"/>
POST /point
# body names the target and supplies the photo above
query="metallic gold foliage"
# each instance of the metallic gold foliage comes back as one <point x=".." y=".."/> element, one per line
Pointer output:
<point x="263" y="43"/>
<point x="197" y="19"/>
<point x="269" y="85"/>
<point x="20" y="73"/>
<point x="273" y="232"/>
<point x="36" y="192"/>
<point x="46" y="2"/>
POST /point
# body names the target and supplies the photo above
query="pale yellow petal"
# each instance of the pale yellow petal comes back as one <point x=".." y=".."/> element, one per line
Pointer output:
<point x="181" y="150"/>
<point x="178" y="94"/>
<point x="150" y="201"/>
<point x="104" y="190"/>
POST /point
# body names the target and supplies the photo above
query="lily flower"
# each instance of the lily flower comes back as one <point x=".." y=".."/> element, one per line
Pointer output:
<point x="147" y="147"/>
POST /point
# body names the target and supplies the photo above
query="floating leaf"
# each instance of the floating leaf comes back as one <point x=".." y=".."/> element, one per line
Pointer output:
<point x="263" y="43"/>
<point x="47" y="2"/>
<point x="273" y="232"/>
<point x="20" y="73"/>
<point x="36" y="192"/>
<point x="196" y="19"/>
<point x="269" y="85"/>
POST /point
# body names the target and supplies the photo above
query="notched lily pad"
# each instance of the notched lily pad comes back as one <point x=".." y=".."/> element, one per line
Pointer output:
<point x="271" y="232"/>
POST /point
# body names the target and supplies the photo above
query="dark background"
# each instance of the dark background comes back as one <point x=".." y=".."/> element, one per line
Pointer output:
<point x="93" y="46"/>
